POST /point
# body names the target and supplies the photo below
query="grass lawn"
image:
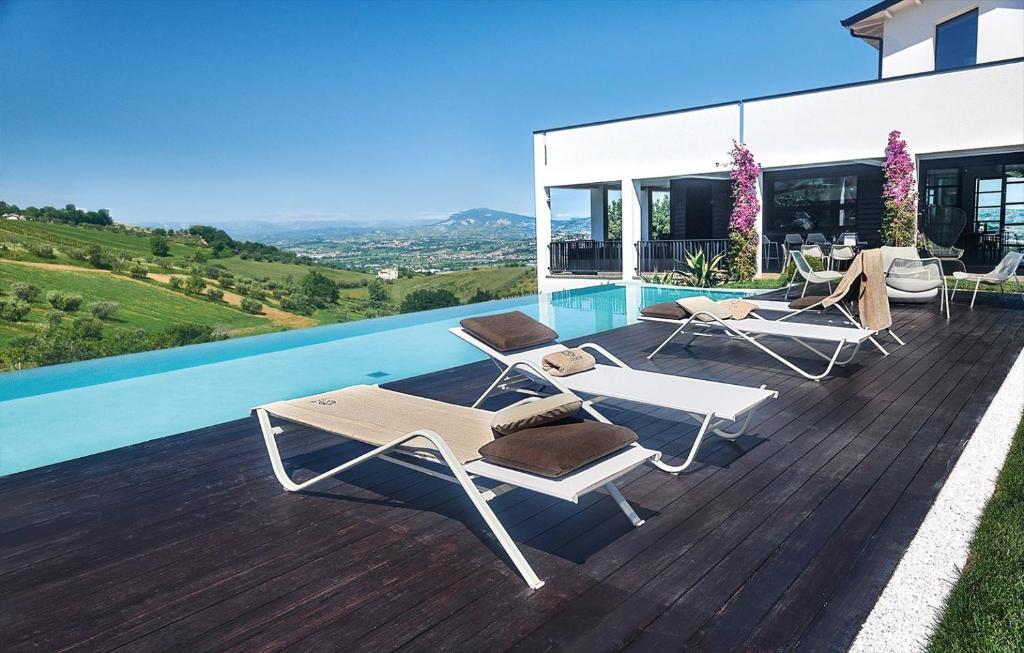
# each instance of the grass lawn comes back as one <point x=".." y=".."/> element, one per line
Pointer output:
<point x="281" y="271"/>
<point x="65" y="235"/>
<point x="146" y="306"/>
<point x="507" y="281"/>
<point x="985" y="611"/>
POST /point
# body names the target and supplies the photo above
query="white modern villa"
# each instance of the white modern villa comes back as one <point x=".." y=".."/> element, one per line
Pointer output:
<point x="950" y="78"/>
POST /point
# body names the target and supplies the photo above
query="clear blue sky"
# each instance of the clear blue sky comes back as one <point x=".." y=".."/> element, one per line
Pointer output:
<point x="224" y="111"/>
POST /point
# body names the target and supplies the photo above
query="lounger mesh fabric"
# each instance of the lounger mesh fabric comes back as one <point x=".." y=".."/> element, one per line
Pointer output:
<point x="377" y="416"/>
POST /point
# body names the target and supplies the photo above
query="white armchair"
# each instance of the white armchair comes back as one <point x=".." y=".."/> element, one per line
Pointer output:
<point x="911" y="279"/>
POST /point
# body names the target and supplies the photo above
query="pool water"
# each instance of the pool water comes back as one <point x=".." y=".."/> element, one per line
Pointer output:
<point x="61" y="412"/>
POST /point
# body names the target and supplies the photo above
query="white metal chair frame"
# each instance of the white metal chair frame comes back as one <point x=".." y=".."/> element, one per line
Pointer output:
<point x="731" y="332"/>
<point x="998" y="276"/>
<point x="838" y="253"/>
<point x="512" y="377"/>
<point x="915" y="266"/>
<point x="458" y="475"/>
<point x="847" y="314"/>
<point x="808" y="273"/>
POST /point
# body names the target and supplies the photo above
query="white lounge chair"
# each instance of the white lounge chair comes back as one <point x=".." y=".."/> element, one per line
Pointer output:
<point x="410" y="431"/>
<point x="711" y="404"/>
<point x="752" y="330"/>
<point x="1006" y="270"/>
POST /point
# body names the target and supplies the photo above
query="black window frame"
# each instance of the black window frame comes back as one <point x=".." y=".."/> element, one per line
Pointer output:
<point x="946" y="23"/>
<point x="769" y="216"/>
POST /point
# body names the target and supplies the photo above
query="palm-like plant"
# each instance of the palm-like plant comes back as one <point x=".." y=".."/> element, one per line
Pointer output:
<point x="700" y="271"/>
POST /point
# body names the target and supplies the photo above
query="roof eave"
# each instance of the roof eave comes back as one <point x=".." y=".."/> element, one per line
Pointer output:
<point x="869" y="12"/>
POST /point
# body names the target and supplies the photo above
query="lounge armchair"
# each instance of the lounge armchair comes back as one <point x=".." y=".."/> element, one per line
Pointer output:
<point x="910" y="278"/>
<point x="410" y="431"/>
<point x="1006" y="270"/>
<point x="712" y="405"/>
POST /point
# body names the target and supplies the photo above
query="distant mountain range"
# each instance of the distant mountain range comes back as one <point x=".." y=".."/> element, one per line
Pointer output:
<point x="482" y="221"/>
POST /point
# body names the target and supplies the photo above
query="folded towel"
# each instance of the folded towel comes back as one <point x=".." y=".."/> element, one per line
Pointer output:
<point x="738" y="308"/>
<point x="568" y="361"/>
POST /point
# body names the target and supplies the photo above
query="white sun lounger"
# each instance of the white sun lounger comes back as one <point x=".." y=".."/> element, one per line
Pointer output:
<point x="408" y="431"/>
<point x="773" y="306"/>
<point x="711" y="404"/>
<point x="752" y="330"/>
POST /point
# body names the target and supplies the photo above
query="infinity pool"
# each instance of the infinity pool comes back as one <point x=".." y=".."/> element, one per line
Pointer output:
<point x="57" y="413"/>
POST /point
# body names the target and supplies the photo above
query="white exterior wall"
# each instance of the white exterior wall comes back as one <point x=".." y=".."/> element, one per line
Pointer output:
<point x="968" y="109"/>
<point x="975" y="109"/>
<point x="909" y="36"/>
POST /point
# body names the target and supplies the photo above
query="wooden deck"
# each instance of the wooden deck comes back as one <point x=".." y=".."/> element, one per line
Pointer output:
<point x="783" y="540"/>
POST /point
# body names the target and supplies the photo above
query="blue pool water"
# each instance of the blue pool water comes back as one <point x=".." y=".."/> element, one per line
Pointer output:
<point x="57" y="413"/>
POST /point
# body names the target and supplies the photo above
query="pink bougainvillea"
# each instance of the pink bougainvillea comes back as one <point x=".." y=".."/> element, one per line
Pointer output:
<point x="899" y="224"/>
<point x="746" y="207"/>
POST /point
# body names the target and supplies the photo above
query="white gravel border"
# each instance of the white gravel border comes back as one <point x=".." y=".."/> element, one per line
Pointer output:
<point x="909" y="607"/>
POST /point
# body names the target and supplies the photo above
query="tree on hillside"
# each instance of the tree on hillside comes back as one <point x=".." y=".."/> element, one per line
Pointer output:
<point x="320" y="290"/>
<point x="481" y="296"/>
<point x="377" y="291"/>
<point x="159" y="246"/>
<point x="424" y="300"/>
<point x="614" y="230"/>
<point x="661" y="218"/>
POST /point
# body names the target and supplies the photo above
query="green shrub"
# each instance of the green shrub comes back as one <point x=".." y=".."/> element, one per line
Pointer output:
<point x="13" y="310"/>
<point x="175" y="282"/>
<point x="226" y="282"/>
<point x="103" y="310"/>
<point x="85" y="326"/>
<point x="24" y="291"/>
<point x="250" y="305"/>
<point x="816" y="264"/>
<point x="53" y="317"/>
<point x="195" y="284"/>
<point x="377" y="291"/>
<point x="216" y="294"/>
<point x="424" y="299"/>
<point x="320" y="290"/>
<point x="76" y="253"/>
<point x="64" y="301"/>
<point x="98" y="258"/>
<point x="186" y="334"/>
<point x="160" y="246"/>
<point x="297" y="303"/>
<point x="138" y="271"/>
<point x="41" y="250"/>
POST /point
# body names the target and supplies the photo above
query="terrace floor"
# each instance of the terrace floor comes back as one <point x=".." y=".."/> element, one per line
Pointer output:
<point x="781" y="541"/>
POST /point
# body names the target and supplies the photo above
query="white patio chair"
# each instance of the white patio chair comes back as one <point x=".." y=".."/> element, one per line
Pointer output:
<point x="840" y="253"/>
<point x="410" y="431"/>
<point x="909" y="278"/>
<point x="793" y="241"/>
<point x="817" y="238"/>
<point x="809" y="274"/>
<point x="1006" y="270"/>
<point x="712" y="405"/>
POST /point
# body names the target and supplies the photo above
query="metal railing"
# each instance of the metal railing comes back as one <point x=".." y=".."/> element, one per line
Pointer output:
<point x="586" y="256"/>
<point x="662" y="255"/>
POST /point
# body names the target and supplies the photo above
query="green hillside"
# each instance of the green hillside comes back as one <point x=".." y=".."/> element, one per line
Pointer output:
<point x="142" y="305"/>
<point x="192" y="285"/>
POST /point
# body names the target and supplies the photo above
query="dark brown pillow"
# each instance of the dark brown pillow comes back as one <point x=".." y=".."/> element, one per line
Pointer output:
<point x="667" y="310"/>
<point x="509" y="331"/>
<point x="805" y="302"/>
<point x="554" y="450"/>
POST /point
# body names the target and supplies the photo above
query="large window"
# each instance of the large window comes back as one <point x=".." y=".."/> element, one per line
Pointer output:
<point x="1014" y="229"/>
<point x="815" y="204"/>
<point x="942" y="187"/>
<point x="956" y="42"/>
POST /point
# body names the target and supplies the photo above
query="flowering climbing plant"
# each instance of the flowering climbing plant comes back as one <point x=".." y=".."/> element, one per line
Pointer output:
<point x="899" y="224"/>
<point x="746" y="207"/>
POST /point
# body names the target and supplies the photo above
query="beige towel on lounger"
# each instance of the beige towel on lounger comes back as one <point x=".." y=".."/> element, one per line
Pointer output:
<point x="568" y="361"/>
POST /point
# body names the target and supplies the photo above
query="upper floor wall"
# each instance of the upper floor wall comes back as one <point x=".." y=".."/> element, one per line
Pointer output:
<point x="909" y="31"/>
<point x="969" y="109"/>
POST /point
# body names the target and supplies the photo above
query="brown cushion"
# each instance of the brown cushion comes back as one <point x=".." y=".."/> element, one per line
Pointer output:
<point x="509" y="331"/>
<point x="556" y="449"/>
<point x="805" y="302"/>
<point x="534" y="412"/>
<point x="666" y="310"/>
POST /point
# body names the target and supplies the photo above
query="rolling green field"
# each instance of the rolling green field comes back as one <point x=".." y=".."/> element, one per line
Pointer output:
<point x="142" y="305"/>
<point x="155" y="305"/>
